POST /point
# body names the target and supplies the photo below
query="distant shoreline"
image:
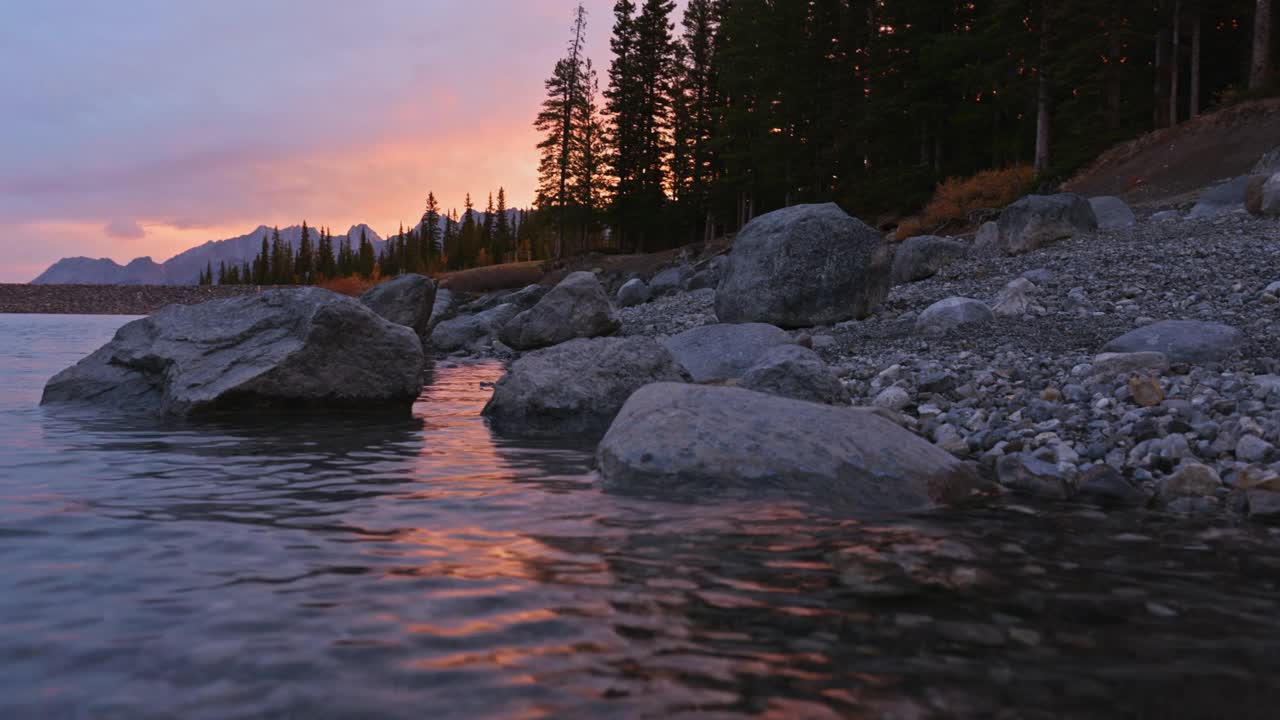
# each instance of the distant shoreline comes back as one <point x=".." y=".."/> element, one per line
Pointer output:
<point x="109" y="299"/>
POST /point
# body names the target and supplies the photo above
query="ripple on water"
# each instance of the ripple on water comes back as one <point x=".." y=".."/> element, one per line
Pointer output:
<point x="427" y="568"/>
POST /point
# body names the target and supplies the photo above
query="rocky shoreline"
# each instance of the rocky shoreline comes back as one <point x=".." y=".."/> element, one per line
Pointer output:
<point x="110" y="299"/>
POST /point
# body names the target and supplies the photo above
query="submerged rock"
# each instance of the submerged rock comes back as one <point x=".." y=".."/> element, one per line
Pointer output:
<point x="715" y="353"/>
<point x="795" y="372"/>
<point x="577" y="307"/>
<point x="578" y="386"/>
<point x="279" y="350"/>
<point x="804" y="266"/>
<point x="407" y="300"/>
<point x="694" y="440"/>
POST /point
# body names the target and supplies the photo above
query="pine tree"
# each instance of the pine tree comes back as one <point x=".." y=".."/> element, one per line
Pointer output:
<point x="487" y="230"/>
<point x="304" y="265"/>
<point x="556" y="123"/>
<point x="281" y="260"/>
<point x="430" y="235"/>
<point x="502" y="237"/>
<point x="468" y="238"/>
<point x="222" y="272"/>
<point x="449" y="242"/>
<point x="588" y="160"/>
<point x="366" y="260"/>
<point x="262" y="265"/>
<point x="326" y="266"/>
<point x="694" y="114"/>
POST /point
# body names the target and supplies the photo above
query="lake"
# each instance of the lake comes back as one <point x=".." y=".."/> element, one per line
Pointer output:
<point x="337" y="567"/>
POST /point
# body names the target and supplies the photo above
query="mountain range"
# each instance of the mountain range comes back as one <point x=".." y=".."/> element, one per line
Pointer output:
<point x="185" y="267"/>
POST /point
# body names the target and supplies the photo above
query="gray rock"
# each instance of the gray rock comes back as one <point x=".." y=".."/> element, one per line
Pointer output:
<point x="577" y="307"/>
<point x="633" y="292"/>
<point x="922" y="257"/>
<point x="1112" y="213"/>
<point x="1253" y="449"/>
<point x="709" y="276"/>
<point x="1127" y="363"/>
<point x="1038" y="220"/>
<point x="1015" y="299"/>
<point x="1166" y="216"/>
<point x="1269" y="197"/>
<point x="1268" y="164"/>
<point x="684" y="440"/>
<point x="523" y="299"/>
<point x="795" y="372"/>
<point x="1029" y="475"/>
<point x="1039" y="276"/>
<point x="1191" y="480"/>
<point x="670" y="281"/>
<point x="987" y="240"/>
<point x="1190" y="341"/>
<point x="715" y="353"/>
<point x="440" y="309"/>
<point x="279" y="350"/>
<point x="577" y="386"/>
<point x="405" y="300"/>
<point x="1105" y="485"/>
<point x="804" y="266"/>
<point x="893" y="398"/>
<point x="951" y="314"/>
<point x="471" y="331"/>
<point x="1264" y="506"/>
<point x="1225" y="197"/>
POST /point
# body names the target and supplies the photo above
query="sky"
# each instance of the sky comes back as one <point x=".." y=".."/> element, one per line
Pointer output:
<point x="143" y="127"/>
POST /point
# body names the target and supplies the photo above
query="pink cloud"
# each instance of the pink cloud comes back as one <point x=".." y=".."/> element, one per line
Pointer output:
<point x="125" y="229"/>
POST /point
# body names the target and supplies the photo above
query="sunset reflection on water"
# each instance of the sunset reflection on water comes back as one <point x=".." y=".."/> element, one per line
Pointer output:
<point x="428" y="567"/>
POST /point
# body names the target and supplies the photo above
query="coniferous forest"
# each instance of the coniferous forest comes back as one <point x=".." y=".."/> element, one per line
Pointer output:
<point x="695" y="124"/>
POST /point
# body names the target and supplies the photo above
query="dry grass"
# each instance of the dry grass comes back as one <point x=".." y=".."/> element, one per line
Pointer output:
<point x="493" y="277"/>
<point x="957" y="200"/>
<point x="352" y="285"/>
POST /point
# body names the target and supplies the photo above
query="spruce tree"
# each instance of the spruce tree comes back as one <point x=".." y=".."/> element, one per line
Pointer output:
<point x="366" y="261"/>
<point x="430" y="234"/>
<point x="502" y="237"/>
<point x="589" y="157"/>
<point x="303" y="266"/>
<point x="487" y="230"/>
<point x="556" y="123"/>
<point x="468" y="238"/>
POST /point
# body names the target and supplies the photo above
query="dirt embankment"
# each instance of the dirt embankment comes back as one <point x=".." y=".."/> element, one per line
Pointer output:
<point x="1170" y="166"/>
<point x="109" y="299"/>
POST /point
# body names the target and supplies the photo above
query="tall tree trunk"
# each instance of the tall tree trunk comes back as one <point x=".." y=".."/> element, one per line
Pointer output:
<point x="1160" y="115"/>
<point x="1175" y="62"/>
<point x="1196" y="41"/>
<point x="1260" y="68"/>
<point x="1044" y="97"/>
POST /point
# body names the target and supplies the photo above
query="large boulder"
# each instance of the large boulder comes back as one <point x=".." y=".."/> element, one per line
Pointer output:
<point x="1112" y="213"/>
<point x="1262" y="197"/>
<point x="795" y="372"/>
<point x="1189" y="341"/>
<point x="471" y="331"/>
<point x="951" y="314"/>
<point x="1038" y="220"/>
<point x="302" y="348"/>
<point x="577" y="307"/>
<point x="577" y="386"/>
<point x="803" y="266"/>
<point x="633" y="292"/>
<point x="715" y="353"/>
<point x="923" y="256"/>
<point x="406" y="300"/>
<point x="692" y="440"/>
<point x="1225" y="197"/>
<point x="441" y="308"/>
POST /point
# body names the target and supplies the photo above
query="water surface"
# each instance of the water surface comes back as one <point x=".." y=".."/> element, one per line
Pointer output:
<point x="338" y="567"/>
